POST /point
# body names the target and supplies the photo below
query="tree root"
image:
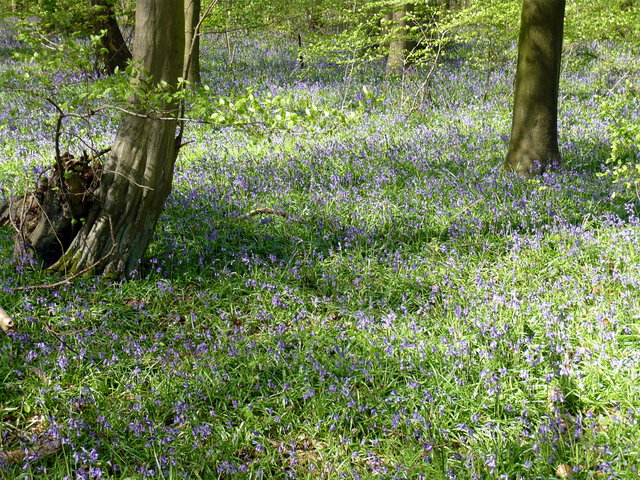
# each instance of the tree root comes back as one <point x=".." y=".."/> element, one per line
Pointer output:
<point x="68" y="280"/>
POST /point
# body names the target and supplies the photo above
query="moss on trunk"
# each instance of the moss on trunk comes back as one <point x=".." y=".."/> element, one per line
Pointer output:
<point x="137" y="177"/>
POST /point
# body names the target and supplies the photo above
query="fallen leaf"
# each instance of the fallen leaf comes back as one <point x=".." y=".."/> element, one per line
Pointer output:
<point x="563" y="470"/>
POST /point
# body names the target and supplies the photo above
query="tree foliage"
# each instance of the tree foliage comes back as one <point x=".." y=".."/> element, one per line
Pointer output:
<point x="623" y="164"/>
<point x="76" y="35"/>
<point x="612" y="20"/>
<point x="341" y="30"/>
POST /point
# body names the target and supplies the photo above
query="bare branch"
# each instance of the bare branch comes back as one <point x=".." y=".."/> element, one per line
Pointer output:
<point x="59" y="166"/>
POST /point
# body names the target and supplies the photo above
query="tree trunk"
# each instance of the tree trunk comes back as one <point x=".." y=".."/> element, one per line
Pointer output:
<point x="533" y="146"/>
<point x="400" y="45"/>
<point x="114" y="51"/>
<point x="136" y="179"/>
<point x="192" y="40"/>
<point x="300" y="55"/>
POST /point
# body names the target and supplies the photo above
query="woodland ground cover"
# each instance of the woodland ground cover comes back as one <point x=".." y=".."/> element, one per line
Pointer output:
<point x="417" y="313"/>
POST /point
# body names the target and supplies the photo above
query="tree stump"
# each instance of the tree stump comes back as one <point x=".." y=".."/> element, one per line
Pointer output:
<point x="48" y="218"/>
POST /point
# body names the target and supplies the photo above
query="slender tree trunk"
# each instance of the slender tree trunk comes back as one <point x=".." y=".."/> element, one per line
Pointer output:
<point x="533" y="146"/>
<point x="114" y="50"/>
<point x="300" y="55"/>
<point x="400" y="45"/>
<point x="137" y="177"/>
<point x="192" y="40"/>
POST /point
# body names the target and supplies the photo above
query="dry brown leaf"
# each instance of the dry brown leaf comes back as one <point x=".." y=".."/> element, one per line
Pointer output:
<point x="564" y="471"/>
<point x="6" y="322"/>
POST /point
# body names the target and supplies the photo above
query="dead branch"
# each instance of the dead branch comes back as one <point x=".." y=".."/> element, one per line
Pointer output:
<point x="45" y="446"/>
<point x="268" y="211"/>
<point x="59" y="165"/>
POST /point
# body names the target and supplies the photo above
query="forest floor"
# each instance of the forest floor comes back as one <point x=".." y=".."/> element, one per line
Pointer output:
<point x="411" y="312"/>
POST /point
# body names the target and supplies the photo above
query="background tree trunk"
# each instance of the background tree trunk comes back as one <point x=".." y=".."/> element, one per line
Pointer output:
<point x="137" y="177"/>
<point x="400" y="45"/>
<point x="114" y="49"/>
<point x="192" y="55"/>
<point x="533" y="146"/>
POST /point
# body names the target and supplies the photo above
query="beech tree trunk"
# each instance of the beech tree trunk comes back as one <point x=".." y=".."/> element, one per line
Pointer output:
<point x="136" y="179"/>
<point x="533" y="146"/>
<point x="114" y="50"/>
<point x="400" y="45"/>
<point x="192" y="40"/>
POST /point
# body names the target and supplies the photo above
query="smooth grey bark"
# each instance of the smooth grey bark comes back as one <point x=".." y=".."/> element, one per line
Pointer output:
<point x="533" y="145"/>
<point x="136" y="179"/>
<point x="192" y="40"/>
<point x="400" y="45"/>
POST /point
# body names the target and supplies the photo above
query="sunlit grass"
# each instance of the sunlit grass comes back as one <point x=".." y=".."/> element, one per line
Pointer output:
<point x="415" y="313"/>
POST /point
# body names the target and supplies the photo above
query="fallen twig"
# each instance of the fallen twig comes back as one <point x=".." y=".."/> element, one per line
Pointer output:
<point x="68" y="280"/>
<point x="271" y="211"/>
<point x="263" y="211"/>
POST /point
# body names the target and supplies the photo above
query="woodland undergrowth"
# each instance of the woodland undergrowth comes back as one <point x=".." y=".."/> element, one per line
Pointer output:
<point x="359" y="296"/>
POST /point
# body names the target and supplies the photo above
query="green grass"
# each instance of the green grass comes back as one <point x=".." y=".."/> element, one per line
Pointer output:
<point x="420" y="314"/>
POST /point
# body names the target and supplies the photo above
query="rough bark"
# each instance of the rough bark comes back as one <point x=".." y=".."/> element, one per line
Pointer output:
<point x="192" y="40"/>
<point x="137" y="177"/>
<point x="533" y="146"/>
<point x="114" y="51"/>
<point x="47" y="219"/>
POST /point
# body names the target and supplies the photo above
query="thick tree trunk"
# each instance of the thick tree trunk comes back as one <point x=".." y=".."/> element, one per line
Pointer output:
<point x="400" y="45"/>
<point x="114" y="50"/>
<point x="533" y="146"/>
<point x="136" y="179"/>
<point x="192" y="40"/>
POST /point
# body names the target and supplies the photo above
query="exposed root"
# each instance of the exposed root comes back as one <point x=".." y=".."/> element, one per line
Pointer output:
<point x="68" y="280"/>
